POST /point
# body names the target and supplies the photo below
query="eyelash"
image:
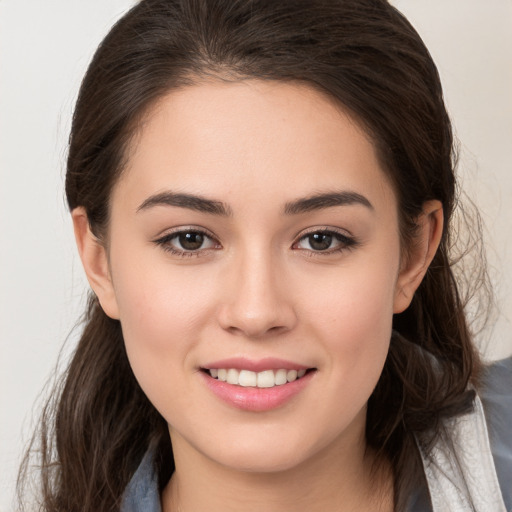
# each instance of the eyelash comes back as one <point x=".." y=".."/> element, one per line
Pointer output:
<point x="165" y="242"/>
<point x="345" y="242"/>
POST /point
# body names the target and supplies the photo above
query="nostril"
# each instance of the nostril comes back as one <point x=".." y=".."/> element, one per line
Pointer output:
<point x="277" y="328"/>
<point x="255" y="331"/>
<point x="255" y="315"/>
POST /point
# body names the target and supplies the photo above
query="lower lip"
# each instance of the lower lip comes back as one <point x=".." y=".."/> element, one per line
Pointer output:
<point x="256" y="399"/>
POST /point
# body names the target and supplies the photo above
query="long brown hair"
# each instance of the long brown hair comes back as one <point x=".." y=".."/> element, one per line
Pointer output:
<point x="365" y="55"/>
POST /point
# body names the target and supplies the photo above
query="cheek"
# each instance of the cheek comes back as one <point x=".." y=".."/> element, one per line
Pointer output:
<point x="352" y="315"/>
<point x="162" y="318"/>
<point x="355" y="300"/>
<point x="162" y="314"/>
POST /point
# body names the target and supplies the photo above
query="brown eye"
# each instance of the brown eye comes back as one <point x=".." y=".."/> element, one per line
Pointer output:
<point x="187" y="242"/>
<point x="327" y="241"/>
<point x="191" y="241"/>
<point x="320" y="241"/>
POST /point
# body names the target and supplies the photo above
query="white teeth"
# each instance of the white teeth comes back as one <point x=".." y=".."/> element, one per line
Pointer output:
<point x="247" y="378"/>
<point x="232" y="377"/>
<point x="281" y="377"/>
<point x="291" y="375"/>
<point x="264" y="379"/>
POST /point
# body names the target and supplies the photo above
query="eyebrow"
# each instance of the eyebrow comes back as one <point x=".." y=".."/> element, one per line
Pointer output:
<point x="190" y="201"/>
<point x="211" y="206"/>
<point x="326" y="200"/>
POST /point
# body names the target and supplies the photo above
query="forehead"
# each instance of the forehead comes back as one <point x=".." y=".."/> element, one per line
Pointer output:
<point x="272" y="139"/>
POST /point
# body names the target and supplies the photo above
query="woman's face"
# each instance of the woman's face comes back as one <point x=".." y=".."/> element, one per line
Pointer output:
<point x="253" y="229"/>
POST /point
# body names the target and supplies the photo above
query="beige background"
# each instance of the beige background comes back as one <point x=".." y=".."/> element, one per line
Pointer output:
<point x="44" y="50"/>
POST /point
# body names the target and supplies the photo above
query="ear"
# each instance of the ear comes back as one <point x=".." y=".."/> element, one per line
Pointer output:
<point x="95" y="262"/>
<point x="420" y="255"/>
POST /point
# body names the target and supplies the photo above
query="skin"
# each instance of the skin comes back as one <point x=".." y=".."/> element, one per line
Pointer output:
<point x="258" y="288"/>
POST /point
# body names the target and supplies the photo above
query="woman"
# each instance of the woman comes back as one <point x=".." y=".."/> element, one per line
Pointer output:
<point x="262" y="194"/>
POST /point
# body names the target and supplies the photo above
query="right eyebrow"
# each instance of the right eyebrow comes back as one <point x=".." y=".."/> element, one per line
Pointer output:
<point x="190" y="201"/>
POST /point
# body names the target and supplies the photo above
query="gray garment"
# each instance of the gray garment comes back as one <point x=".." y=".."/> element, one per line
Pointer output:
<point x="142" y="493"/>
<point x="497" y="401"/>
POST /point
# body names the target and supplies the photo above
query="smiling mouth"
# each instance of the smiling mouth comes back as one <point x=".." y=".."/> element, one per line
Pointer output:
<point x="263" y="379"/>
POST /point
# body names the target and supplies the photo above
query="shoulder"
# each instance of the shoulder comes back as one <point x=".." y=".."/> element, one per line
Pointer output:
<point x="496" y="394"/>
<point x="466" y="449"/>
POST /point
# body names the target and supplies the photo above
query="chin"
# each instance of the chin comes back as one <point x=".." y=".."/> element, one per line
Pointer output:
<point x="262" y="454"/>
<point x="262" y="461"/>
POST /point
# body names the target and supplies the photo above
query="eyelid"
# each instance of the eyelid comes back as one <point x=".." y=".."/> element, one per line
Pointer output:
<point x="324" y="228"/>
<point x="185" y="228"/>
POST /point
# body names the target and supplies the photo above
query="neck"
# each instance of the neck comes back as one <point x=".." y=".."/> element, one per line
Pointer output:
<point x="341" y="478"/>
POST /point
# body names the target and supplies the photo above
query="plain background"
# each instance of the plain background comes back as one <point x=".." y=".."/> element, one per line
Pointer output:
<point x="44" y="50"/>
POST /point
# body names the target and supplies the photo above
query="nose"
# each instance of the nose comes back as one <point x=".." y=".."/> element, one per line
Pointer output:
<point x="257" y="301"/>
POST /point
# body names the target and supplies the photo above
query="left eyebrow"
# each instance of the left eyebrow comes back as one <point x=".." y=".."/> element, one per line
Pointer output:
<point x="326" y="200"/>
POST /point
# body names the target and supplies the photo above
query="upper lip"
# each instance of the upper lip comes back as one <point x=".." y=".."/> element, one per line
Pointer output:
<point x="255" y="365"/>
